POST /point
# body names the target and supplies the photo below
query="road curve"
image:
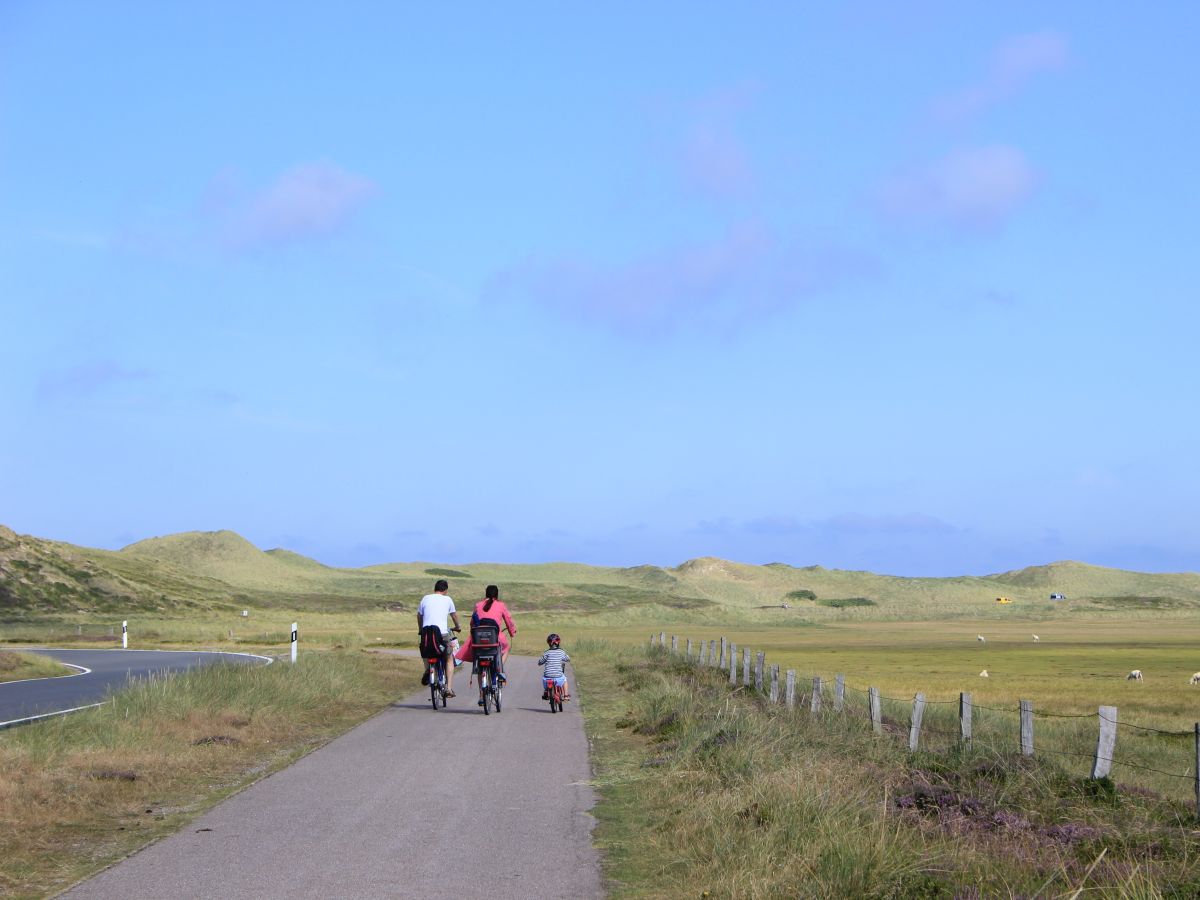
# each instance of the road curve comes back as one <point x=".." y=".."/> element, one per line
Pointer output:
<point x="412" y="803"/>
<point x="100" y="672"/>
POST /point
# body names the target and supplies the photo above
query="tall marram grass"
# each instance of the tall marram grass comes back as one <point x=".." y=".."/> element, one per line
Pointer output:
<point x="708" y="791"/>
<point x="81" y="791"/>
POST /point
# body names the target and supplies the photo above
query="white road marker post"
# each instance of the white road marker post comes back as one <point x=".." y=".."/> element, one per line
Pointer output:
<point x="125" y="635"/>
<point x="293" y="643"/>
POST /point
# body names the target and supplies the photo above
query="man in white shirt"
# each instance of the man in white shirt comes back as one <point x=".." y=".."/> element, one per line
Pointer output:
<point x="436" y="609"/>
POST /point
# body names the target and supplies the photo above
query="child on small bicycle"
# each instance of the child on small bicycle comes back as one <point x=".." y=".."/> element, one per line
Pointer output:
<point x="555" y="660"/>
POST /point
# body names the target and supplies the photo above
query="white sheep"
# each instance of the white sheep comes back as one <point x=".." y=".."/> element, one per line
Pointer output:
<point x="981" y="638"/>
<point x="983" y="674"/>
<point x="1036" y="638"/>
<point x="1195" y="679"/>
<point x="1135" y="675"/>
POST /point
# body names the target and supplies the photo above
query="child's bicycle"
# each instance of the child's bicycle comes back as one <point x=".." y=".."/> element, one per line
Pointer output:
<point x="555" y="692"/>
<point x="485" y="645"/>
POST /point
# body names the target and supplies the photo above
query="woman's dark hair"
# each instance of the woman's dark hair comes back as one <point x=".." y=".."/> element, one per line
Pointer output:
<point x="492" y="593"/>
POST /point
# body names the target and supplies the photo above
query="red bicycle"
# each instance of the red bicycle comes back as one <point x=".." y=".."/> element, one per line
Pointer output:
<point x="555" y="692"/>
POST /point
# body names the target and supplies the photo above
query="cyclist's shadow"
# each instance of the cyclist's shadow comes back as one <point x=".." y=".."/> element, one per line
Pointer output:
<point x="473" y="709"/>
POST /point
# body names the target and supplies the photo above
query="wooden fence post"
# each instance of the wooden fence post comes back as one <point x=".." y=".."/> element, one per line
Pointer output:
<point x="652" y="640"/>
<point x="964" y="717"/>
<point x="702" y="655"/>
<point x="839" y="692"/>
<point x="814" y="705"/>
<point x="760" y="660"/>
<point x="662" y="639"/>
<point x="1107" y="742"/>
<point x="1196" y="769"/>
<point x="1027" y="728"/>
<point x="789" y="691"/>
<point x="876" y="715"/>
<point x="774" y="684"/>
<point x="732" y="664"/>
<point x="914" y="726"/>
<point x="674" y="643"/>
<point x="689" y="649"/>
<point x="721" y="661"/>
<point x="746" y="666"/>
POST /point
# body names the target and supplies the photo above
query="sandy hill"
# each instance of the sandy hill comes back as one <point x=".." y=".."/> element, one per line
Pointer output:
<point x="222" y="569"/>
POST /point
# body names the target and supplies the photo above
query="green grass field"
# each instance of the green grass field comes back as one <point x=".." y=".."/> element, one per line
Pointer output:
<point x="712" y="791"/>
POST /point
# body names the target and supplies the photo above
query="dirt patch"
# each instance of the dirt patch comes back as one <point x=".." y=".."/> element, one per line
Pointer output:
<point x="224" y="739"/>
<point x="113" y="775"/>
<point x="965" y="815"/>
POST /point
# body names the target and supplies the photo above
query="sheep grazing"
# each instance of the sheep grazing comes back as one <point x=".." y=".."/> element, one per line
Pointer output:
<point x="980" y="638"/>
<point x="1135" y="675"/>
<point x="1036" y="638"/>
<point x="983" y="674"/>
<point x="1195" y="679"/>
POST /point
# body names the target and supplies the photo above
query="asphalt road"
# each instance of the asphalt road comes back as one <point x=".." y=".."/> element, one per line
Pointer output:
<point x="102" y="670"/>
<point x="412" y="803"/>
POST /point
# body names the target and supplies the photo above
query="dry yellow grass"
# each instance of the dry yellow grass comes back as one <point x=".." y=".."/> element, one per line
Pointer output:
<point x="16" y="666"/>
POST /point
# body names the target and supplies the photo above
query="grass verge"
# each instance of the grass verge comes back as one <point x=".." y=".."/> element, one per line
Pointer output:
<point x="83" y="791"/>
<point x="16" y="666"/>
<point x="708" y="791"/>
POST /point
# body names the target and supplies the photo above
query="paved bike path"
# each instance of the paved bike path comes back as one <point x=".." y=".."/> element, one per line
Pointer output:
<point x="412" y="803"/>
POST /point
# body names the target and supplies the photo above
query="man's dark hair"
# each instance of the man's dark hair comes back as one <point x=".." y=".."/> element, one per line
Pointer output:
<point x="442" y="585"/>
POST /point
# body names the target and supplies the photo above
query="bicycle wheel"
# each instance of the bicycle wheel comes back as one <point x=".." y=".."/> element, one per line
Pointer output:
<point x="433" y="686"/>
<point x="497" y="699"/>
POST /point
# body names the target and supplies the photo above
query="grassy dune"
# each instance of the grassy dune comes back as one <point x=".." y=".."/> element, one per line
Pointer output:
<point x="221" y="572"/>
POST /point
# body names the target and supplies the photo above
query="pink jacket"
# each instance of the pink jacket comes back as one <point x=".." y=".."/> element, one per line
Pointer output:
<point x="500" y="613"/>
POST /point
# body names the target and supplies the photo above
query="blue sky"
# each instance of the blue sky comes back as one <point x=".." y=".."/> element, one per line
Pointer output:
<point x="900" y="287"/>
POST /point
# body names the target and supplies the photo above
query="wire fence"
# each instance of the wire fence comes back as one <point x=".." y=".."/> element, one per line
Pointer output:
<point x="963" y="725"/>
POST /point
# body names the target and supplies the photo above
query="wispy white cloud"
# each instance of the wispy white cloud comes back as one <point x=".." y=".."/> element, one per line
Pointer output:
<point x="86" y="379"/>
<point x="1013" y="63"/>
<point x="309" y="200"/>
<point x="906" y="523"/>
<point x="715" y="158"/>
<point x="741" y="275"/>
<point x="974" y="188"/>
<point x="92" y="240"/>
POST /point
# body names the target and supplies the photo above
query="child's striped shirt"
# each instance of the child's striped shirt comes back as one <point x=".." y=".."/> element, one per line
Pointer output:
<point x="553" y="661"/>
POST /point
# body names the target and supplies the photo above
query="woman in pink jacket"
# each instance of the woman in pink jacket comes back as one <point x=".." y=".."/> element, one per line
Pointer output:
<point x="491" y="607"/>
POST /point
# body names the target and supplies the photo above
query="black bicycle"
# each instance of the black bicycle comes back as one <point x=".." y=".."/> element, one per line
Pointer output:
<point x="485" y="647"/>
<point x="437" y="681"/>
<point x="437" y="673"/>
